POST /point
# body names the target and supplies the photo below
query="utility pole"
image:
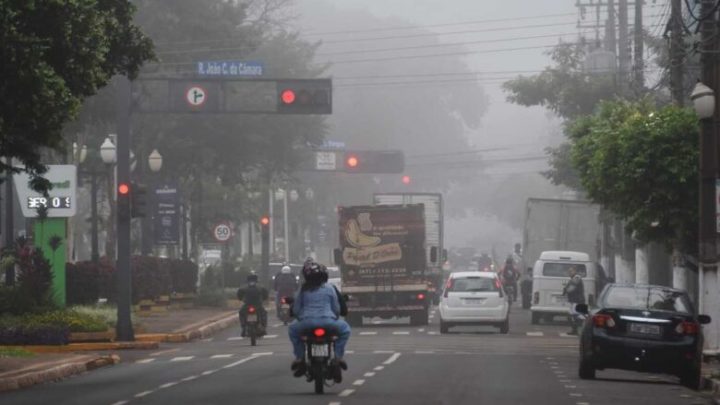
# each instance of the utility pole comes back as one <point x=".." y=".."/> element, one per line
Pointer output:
<point x="676" y="53"/>
<point x="639" y="78"/>
<point x="9" y="220"/>
<point x="708" y="173"/>
<point x="623" y="46"/>
<point x="610" y="38"/>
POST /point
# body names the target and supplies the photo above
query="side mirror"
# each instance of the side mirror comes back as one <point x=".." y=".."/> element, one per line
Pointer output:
<point x="434" y="254"/>
<point x="704" y="319"/>
<point x="338" y="257"/>
<point x="581" y="309"/>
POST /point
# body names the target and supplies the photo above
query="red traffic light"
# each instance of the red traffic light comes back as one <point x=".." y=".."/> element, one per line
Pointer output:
<point x="265" y="221"/>
<point x="352" y="161"/>
<point x="406" y="179"/>
<point x="123" y="189"/>
<point x="287" y="96"/>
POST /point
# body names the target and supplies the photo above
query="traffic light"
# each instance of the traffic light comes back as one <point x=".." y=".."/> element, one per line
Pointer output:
<point x="406" y="179"/>
<point x="374" y="161"/>
<point x="265" y="222"/>
<point x="304" y="96"/>
<point x="138" y="201"/>
<point x="123" y="201"/>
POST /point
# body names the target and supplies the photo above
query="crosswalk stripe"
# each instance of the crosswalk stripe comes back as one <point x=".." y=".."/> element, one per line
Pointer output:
<point x="235" y="338"/>
<point x="432" y="333"/>
<point x="535" y="334"/>
<point x="270" y="336"/>
<point x="221" y="356"/>
<point x="182" y="358"/>
<point x="368" y="333"/>
<point x="401" y="333"/>
<point x="145" y="361"/>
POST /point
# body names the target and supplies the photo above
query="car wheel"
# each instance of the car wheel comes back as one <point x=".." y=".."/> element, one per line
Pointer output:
<point x="535" y="318"/>
<point x="444" y="328"/>
<point x="692" y="378"/>
<point x="586" y="370"/>
<point x="505" y="326"/>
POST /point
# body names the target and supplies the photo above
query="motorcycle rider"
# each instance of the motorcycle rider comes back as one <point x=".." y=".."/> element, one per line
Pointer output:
<point x="252" y="295"/>
<point x="509" y="276"/>
<point x="574" y="290"/>
<point x="316" y="305"/>
<point x="285" y="285"/>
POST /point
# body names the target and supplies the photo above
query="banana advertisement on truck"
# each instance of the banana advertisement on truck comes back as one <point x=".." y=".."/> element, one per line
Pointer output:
<point x="382" y="244"/>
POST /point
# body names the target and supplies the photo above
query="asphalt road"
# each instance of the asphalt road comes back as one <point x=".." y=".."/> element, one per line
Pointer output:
<point x="390" y="363"/>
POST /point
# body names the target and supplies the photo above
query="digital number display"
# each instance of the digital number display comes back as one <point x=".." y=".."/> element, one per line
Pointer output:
<point x="52" y="202"/>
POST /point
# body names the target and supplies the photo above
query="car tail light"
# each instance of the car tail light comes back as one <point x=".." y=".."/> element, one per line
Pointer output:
<point x="421" y="297"/>
<point x="448" y="287"/>
<point x="251" y="309"/>
<point x="603" y="321"/>
<point x="319" y="332"/>
<point x="687" y="328"/>
<point x="536" y="298"/>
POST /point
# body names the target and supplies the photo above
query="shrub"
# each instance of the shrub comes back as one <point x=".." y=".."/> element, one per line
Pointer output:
<point x="86" y="282"/>
<point x="184" y="275"/>
<point x="48" y="328"/>
<point x="105" y="313"/>
<point x="150" y="279"/>
<point x="211" y="298"/>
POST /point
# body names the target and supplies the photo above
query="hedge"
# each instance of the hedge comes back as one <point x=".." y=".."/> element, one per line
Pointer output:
<point x="151" y="278"/>
<point x="48" y="328"/>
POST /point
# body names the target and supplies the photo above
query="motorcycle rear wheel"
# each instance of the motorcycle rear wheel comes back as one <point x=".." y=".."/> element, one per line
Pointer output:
<point x="319" y="378"/>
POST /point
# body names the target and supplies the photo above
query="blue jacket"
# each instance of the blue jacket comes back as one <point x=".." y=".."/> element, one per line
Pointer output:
<point x="321" y="303"/>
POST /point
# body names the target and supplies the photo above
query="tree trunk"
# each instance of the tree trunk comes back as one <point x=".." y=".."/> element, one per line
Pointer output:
<point x="679" y="272"/>
<point x="642" y="268"/>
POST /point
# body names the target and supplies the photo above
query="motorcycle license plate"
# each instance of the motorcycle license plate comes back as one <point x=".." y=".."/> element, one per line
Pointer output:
<point x="252" y="318"/>
<point x="320" y="351"/>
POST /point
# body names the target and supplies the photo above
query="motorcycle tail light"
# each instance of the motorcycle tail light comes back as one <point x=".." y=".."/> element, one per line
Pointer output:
<point x="251" y="309"/>
<point x="283" y="301"/>
<point x="603" y="321"/>
<point x="498" y="284"/>
<point x="687" y="328"/>
<point x="421" y="297"/>
<point x="319" y="332"/>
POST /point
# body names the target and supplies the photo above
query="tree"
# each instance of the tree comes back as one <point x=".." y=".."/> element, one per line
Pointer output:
<point x="641" y="163"/>
<point x="55" y="54"/>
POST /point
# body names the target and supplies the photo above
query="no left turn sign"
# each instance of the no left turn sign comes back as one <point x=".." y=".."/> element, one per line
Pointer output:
<point x="196" y="96"/>
<point x="222" y="232"/>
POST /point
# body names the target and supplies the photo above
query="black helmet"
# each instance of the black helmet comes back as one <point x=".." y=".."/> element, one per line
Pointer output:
<point x="252" y="278"/>
<point x="509" y="260"/>
<point x="313" y="272"/>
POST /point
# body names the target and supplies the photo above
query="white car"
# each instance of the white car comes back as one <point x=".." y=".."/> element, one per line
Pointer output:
<point x="474" y="298"/>
<point x="334" y="277"/>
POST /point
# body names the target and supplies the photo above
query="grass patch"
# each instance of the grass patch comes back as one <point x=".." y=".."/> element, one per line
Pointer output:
<point x="14" y="352"/>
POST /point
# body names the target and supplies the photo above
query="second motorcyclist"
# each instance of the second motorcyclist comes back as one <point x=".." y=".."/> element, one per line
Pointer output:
<point x="286" y="284"/>
<point x="256" y="296"/>
<point x="509" y="276"/>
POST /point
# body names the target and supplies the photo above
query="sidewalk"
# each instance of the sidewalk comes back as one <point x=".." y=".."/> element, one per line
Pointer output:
<point x="711" y="374"/>
<point x="51" y="363"/>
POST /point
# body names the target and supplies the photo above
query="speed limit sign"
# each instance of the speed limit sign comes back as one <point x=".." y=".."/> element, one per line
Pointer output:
<point x="222" y="232"/>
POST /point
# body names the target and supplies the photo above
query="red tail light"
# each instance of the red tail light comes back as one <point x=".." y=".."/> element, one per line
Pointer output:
<point x="448" y="287"/>
<point x="687" y="328"/>
<point x="251" y="309"/>
<point x="603" y="321"/>
<point x="421" y="297"/>
<point x="283" y="301"/>
<point x="498" y="284"/>
<point x="319" y="332"/>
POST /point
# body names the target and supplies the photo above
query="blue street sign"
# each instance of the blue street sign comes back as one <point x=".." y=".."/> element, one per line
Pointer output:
<point x="230" y="68"/>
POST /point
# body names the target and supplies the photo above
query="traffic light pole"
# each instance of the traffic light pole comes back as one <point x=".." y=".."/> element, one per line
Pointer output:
<point x="124" y="327"/>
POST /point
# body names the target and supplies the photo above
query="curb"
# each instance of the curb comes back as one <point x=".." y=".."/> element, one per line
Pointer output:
<point x="55" y="373"/>
<point x="200" y="332"/>
<point x="85" y="347"/>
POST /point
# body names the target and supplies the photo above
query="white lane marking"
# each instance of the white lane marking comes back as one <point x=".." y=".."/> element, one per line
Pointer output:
<point x="383" y="352"/>
<point x="144" y="393"/>
<point x="379" y="368"/>
<point x="369" y="374"/>
<point x="168" y="385"/>
<point x="346" y="393"/>
<point x="554" y="367"/>
<point x="575" y="394"/>
<point x="208" y="372"/>
<point x="246" y="359"/>
<point x="120" y="403"/>
<point x="334" y="403"/>
<point x="401" y="333"/>
<point x="582" y="403"/>
<point x="221" y="356"/>
<point x="565" y="335"/>
<point x="424" y="352"/>
<point x="550" y="358"/>
<point x="432" y="333"/>
<point x="535" y="334"/>
<point x="391" y="359"/>
<point x="208" y="340"/>
<point x="235" y="338"/>
<point x="565" y="381"/>
<point x="368" y="333"/>
<point x="358" y="382"/>
<point x="190" y="378"/>
<point x="263" y="354"/>
<point x="182" y="358"/>
<point x="145" y="361"/>
<point x="349" y="351"/>
<point x="164" y="352"/>
<point x="270" y="336"/>
<point x="421" y="330"/>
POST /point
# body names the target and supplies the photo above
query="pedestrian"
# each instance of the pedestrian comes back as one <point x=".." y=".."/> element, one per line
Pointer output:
<point x="574" y="290"/>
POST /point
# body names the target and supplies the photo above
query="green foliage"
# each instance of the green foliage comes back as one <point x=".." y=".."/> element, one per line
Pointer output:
<point x="211" y="293"/>
<point x="105" y="313"/>
<point x="33" y="290"/>
<point x="641" y="163"/>
<point x="14" y="352"/>
<point x="53" y="327"/>
<point x="55" y="54"/>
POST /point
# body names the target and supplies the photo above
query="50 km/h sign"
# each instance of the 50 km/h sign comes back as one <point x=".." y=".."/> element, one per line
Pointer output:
<point x="222" y="232"/>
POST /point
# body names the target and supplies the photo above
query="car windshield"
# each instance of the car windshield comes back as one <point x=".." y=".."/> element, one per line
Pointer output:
<point x="469" y="284"/>
<point x="647" y="298"/>
<point x="562" y="269"/>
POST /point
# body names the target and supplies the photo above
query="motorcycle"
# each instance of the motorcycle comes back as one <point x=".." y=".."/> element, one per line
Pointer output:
<point x="254" y="328"/>
<point x="283" y="310"/>
<point x="320" y="358"/>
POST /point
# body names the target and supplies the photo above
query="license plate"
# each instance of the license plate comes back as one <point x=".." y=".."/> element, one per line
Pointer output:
<point x="645" y="329"/>
<point x="559" y="299"/>
<point x="320" y="351"/>
<point x="252" y="318"/>
<point x="472" y="301"/>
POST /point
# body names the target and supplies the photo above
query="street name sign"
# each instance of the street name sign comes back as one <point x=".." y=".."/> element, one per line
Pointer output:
<point x="230" y="68"/>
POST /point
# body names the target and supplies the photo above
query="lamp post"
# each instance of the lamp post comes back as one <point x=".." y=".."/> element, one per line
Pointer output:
<point x="155" y="164"/>
<point x="703" y="98"/>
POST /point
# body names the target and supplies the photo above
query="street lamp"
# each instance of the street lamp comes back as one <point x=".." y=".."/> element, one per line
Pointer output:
<point x="703" y="98"/>
<point x="108" y="152"/>
<point x="155" y="161"/>
<point x="83" y="152"/>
